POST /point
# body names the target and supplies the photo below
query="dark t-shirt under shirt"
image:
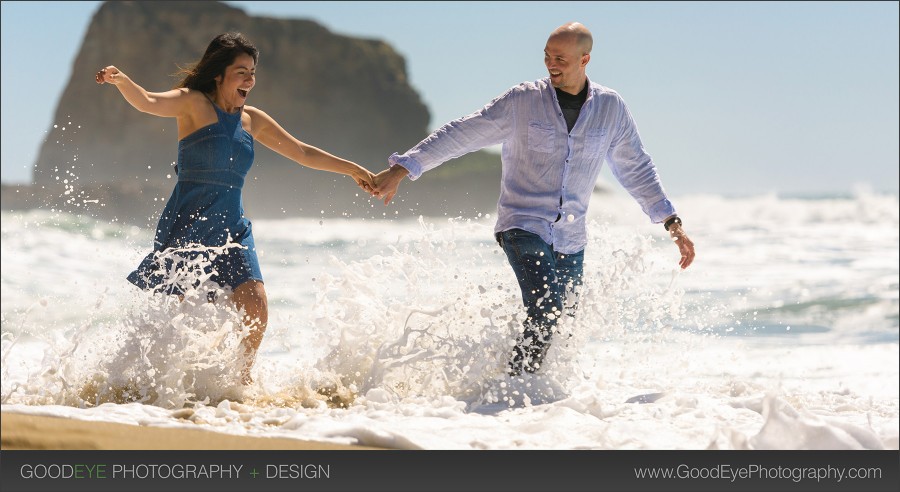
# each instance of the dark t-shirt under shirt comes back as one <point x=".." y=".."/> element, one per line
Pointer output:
<point x="571" y="105"/>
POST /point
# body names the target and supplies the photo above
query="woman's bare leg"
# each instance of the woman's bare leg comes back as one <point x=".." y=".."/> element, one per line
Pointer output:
<point x="251" y="297"/>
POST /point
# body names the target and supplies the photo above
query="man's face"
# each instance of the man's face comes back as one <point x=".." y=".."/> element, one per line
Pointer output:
<point x="565" y="62"/>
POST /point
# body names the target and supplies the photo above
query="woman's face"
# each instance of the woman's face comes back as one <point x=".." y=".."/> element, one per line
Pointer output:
<point x="239" y="78"/>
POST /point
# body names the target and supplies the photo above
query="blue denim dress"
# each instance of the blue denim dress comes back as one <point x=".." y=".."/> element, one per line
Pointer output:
<point x="202" y="232"/>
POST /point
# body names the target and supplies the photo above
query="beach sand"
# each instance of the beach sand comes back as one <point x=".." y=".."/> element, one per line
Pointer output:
<point x="23" y="431"/>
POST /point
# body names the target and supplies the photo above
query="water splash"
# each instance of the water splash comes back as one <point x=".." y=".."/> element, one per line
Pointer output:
<point x="438" y="317"/>
<point x="163" y="350"/>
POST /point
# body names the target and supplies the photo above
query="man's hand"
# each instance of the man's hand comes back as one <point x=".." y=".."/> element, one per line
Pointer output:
<point x="685" y="245"/>
<point x="387" y="181"/>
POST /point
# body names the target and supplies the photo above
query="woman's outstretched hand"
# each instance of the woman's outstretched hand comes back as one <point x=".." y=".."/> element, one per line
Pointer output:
<point x="109" y="75"/>
<point x="365" y="180"/>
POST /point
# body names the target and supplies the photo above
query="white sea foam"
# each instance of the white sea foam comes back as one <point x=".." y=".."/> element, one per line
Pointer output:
<point x="783" y="335"/>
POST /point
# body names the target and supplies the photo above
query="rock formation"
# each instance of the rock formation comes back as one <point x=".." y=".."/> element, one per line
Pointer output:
<point x="346" y="95"/>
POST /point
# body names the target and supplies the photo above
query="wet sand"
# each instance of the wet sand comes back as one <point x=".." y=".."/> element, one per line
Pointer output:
<point x="24" y="431"/>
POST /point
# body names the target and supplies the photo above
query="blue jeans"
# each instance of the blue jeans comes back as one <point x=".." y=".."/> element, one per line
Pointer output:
<point x="548" y="281"/>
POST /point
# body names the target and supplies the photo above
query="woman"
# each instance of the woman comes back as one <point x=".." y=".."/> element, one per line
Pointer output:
<point x="205" y="216"/>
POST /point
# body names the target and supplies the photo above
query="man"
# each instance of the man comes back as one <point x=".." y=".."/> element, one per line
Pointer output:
<point x="555" y="133"/>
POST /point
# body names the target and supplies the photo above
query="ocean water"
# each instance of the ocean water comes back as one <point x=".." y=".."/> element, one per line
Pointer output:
<point x="783" y="334"/>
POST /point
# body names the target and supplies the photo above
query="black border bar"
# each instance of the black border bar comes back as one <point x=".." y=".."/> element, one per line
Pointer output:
<point x="451" y="471"/>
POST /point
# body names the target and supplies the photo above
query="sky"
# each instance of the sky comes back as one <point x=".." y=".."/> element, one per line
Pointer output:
<point x="732" y="98"/>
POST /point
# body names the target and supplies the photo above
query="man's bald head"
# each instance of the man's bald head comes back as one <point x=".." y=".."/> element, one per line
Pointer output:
<point x="576" y="30"/>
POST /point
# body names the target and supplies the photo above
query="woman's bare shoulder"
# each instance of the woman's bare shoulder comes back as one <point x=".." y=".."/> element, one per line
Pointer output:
<point x="256" y="114"/>
<point x="197" y="112"/>
<point x="192" y="95"/>
<point x="198" y="103"/>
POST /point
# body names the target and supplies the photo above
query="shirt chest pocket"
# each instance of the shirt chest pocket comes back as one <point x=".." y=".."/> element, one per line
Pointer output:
<point x="541" y="137"/>
<point x="595" y="142"/>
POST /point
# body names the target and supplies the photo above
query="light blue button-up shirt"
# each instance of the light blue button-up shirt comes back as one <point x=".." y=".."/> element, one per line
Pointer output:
<point x="549" y="173"/>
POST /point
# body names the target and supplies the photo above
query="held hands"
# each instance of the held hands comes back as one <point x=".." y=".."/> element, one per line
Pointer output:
<point x="387" y="182"/>
<point x="685" y="245"/>
<point x="364" y="179"/>
<point x="109" y="75"/>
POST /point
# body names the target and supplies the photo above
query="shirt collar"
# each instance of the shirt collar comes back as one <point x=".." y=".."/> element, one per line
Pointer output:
<point x="587" y="83"/>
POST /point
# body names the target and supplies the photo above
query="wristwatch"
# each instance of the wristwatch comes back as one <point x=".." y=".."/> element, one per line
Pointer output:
<point x="673" y="220"/>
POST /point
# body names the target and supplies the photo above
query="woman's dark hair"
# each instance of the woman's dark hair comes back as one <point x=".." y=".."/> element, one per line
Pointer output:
<point x="220" y="53"/>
